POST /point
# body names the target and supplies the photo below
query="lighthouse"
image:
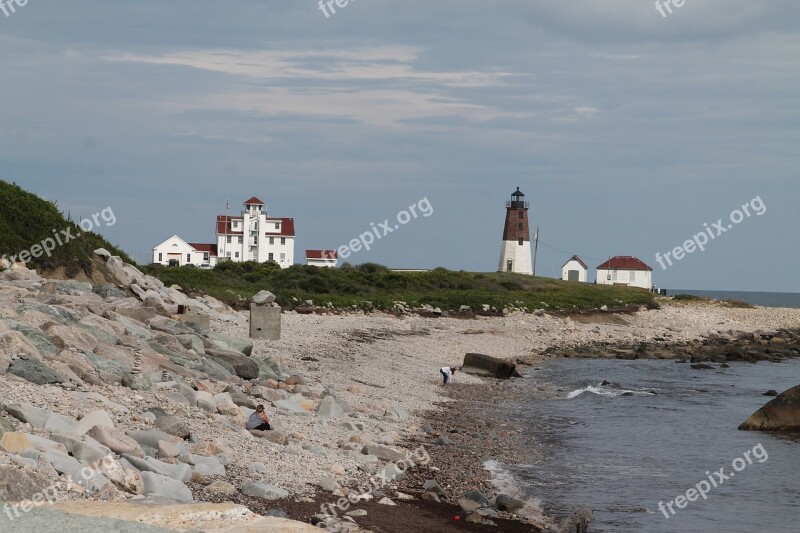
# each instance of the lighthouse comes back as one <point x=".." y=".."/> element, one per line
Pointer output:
<point x="515" y="251"/>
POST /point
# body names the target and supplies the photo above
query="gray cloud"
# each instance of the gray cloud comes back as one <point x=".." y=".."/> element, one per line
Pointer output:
<point x="626" y="130"/>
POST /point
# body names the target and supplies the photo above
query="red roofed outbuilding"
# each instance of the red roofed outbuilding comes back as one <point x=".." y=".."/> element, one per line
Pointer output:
<point x="321" y="258"/>
<point x="625" y="270"/>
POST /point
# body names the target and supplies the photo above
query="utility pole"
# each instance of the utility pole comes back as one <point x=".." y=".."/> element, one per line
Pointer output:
<point x="535" y="248"/>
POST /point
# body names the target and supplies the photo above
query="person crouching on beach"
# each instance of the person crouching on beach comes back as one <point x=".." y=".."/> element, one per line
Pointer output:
<point x="447" y="373"/>
<point x="258" y="420"/>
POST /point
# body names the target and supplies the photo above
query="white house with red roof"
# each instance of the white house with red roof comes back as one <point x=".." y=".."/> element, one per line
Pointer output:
<point x="575" y="270"/>
<point x="625" y="270"/>
<point x="255" y="236"/>
<point x="251" y="236"/>
<point x="321" y="258"/>
<point x="178" y="252"/>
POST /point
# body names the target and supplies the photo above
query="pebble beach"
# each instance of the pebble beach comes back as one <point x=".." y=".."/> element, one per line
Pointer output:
<point x="352" y="393"/>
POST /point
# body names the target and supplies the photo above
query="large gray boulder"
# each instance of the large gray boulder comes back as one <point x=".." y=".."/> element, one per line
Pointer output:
<point x="15" y="343"/>
<point x="34" y="371"/>
<point x="7" y="426"/>
<point x="278" y="437"/>
<point x="45" y="445"/>
<point x="289" y="405"/>
<point x="180" y="471"/>
<point x="264" y="491"/>
<point x="17" y="484"/>
<point x="205" y="469"/>
<point x="92" y="419"/>
<point x="35" y="336"/>
<point x="117" y="269"/>
<point x="167" y="487"/>
<point x="116" y="440"/>
<point x="89" y="451"/>
<point x="396" y="413"/>
<point x="173" y="426"/>
<point x="330" y="407"/>
<point x="506" y="503"/>
<point x="780" y="414"/>
<point x="76" y="472"/>
<point x="263" y="297"/>
<point x="35" y="416"/>
<point x="242" y="366"/>
<point x="269" y="368"/>
<point x="382" y="452"/>
<point x="205" y="401"/>
<point x="233" y="344"/>
<point x="149" y="437"/>
<point x="483" y="365"/>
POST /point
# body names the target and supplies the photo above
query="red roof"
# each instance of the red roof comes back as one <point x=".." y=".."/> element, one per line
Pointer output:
<point x="321" y="254"/>
<point x="624" y="262"/>
<point x="579" y="260"/>
<point x="200" y="247"/>
<point x="253" y="201"/>
<point x="224" y="226"/>
<point x="287" y="227"/>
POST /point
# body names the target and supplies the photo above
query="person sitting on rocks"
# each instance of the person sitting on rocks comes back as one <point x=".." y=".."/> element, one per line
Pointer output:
<point x="447" y="373"/>
<point x="258" y="420"/>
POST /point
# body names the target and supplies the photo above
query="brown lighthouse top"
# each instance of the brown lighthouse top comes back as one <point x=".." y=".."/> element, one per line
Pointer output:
<point x="516" y="227"/>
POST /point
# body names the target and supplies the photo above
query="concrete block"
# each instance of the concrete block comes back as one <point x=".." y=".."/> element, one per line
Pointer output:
<point x="265" y="322"/>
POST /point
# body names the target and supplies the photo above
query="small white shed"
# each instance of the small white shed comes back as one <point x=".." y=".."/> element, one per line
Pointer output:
<point x="575" y="270"/>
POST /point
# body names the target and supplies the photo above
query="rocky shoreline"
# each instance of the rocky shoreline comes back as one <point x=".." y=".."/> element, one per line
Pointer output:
<point x="112" y="378"/>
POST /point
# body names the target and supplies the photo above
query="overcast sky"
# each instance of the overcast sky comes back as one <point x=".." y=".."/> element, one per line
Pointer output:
<point x="627" y="130"/>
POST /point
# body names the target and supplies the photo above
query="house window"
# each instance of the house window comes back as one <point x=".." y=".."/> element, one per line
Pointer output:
<point x="205" y="257"/>
<point x="283" y="240"/>
<point x="271" y="257"/>
<point x="241" y="240"/>
<point x="520" y="241"/>
<point x="188" y="258"/>
<point x="509" y="265"/>
<point x="272" y="240"/>
<point x="520" y="215"/>
<point x="237" y="255"/>
<point x="228" y="240"/>
<point x="277" y="225"/>
<point x="519" y="226"/>
<point x="283" y="258"/>
<point x="228" y="255"/>
<point x="160" y="257"/>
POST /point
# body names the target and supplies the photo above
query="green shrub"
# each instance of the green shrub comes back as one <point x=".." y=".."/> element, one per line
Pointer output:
<point x="371" y="286"/>
<point x="27" y="220"/>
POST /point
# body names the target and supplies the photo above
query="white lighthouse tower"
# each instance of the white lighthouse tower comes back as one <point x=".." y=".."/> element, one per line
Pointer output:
<point x="515" y="251"/>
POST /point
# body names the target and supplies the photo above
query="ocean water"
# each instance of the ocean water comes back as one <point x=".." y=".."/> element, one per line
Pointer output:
<point x="619" y="455"/>
<point x="765" y="299"/>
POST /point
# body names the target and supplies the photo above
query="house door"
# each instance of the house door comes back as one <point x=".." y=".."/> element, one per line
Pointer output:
<point x="509" y="264"/>
<point x="573" y="275"/>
